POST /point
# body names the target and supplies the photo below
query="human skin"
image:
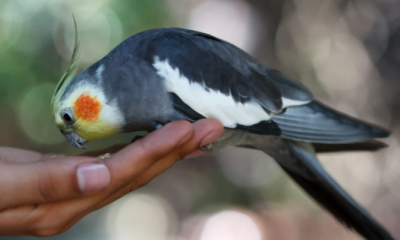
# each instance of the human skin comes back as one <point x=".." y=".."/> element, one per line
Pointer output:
<point x="44" y="195"/>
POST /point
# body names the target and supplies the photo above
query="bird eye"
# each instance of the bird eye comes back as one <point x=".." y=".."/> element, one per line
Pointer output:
<point x="67" y="118"/>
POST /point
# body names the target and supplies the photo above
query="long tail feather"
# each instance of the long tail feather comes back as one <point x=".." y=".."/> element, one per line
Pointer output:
<point x="312" y="177"/>
<point x="318" y="123"/>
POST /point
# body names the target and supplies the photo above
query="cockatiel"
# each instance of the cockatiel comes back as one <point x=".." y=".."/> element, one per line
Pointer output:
<point x="168" y="74"/>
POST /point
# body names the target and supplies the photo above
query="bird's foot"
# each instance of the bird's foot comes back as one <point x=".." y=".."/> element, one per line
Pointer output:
<point x="206" y="148"/>
<point x="104" y="156"/>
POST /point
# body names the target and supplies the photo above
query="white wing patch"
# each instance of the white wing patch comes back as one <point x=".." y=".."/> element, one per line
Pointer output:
<point x="211" y="104"/>
<point x="286" y="102"/>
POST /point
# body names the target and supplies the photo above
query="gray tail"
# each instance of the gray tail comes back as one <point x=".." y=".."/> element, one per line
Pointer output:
<point x="318" y="123"/>
<point x="311" y="176"/>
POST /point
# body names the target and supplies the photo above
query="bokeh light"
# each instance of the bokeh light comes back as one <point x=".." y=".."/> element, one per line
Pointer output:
<point x="258" y="170"/>
<point x="233" y="21"/>
<point x="140" y="216"/>
<point x="35" y="115"/>
<point x="230" y="225"/>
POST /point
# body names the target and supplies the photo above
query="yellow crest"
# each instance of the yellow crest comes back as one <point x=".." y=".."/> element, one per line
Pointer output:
<point x="68" y="74"/>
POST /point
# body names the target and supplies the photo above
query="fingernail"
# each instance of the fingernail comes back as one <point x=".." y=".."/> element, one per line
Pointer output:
<point x="211" y="137"/>
<point x="92" y="177"/>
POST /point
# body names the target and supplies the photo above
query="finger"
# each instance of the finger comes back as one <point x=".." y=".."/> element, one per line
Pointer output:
<point x="112" y="149"/>
<point x="206" y="131"/>
<point x="41" y="220"/>
<point x="8" y="154"/>
<point x="48" y="181"/>
<point x="133" y="160"/>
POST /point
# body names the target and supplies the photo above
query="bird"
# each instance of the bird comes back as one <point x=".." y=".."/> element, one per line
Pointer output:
<point x="167" y="74"/>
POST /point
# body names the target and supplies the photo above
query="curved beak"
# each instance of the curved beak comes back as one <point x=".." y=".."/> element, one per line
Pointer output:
<point x="74" y="139"/>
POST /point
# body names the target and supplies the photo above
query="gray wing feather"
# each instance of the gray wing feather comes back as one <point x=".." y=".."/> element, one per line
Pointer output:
<point x="247" y="64"/>
<point x="318" y="123"/>
<point x="289" y="87"/>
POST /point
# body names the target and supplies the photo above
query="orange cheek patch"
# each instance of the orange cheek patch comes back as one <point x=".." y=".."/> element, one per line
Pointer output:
<point x="87" y="107"/>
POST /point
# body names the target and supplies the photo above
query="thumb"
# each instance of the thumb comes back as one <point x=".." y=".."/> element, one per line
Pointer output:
<point x="52" y="180"/>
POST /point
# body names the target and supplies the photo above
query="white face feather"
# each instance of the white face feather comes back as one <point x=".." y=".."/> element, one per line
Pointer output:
<point x="211" y="104"/>
<point x="286" y="102"/>
<point x="109" y="113"/>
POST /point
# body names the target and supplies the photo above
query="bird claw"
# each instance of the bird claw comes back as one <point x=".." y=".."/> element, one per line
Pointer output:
<point x="104" y="156"/>
<point x="206" y="148"/>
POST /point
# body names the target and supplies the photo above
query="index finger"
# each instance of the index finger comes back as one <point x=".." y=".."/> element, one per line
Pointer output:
<point x="136" y="158"/>
<point x="9" y="154"/>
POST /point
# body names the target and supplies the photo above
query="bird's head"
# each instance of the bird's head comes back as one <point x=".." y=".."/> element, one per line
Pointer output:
<point x="83" y="114"/>
<point x="80" y="108"/>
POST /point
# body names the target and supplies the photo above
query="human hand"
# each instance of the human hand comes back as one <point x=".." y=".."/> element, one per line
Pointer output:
<point x="42" y="196"/>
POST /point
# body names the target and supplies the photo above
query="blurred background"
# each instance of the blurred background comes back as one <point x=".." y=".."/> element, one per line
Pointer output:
<point x="346" y="51"/>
